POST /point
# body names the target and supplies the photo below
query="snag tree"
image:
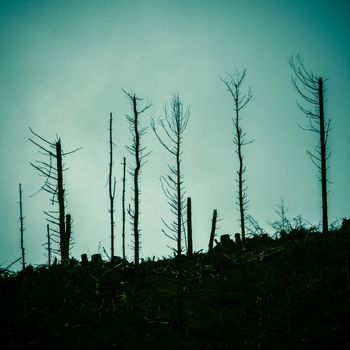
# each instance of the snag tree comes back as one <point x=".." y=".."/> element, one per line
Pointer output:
<point x="139" y="153"/>
<point x="111" y="184"/>
<point x="21" y="220"/>
<point x="234" y="84"/>
<point x="123" y="209"/>
<point x="52" y="168"/>
<point x="170" y="136"/>
<point x="312" y="90"/>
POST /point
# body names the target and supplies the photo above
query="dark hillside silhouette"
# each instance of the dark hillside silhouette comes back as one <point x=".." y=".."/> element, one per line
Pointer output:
<point x="275" y="294"/>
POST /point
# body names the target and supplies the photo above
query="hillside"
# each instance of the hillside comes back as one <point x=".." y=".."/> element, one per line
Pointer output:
<point x="291" y="293"/>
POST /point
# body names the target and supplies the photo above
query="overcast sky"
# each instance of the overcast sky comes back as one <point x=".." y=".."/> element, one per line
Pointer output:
<point x="63" y="64"/>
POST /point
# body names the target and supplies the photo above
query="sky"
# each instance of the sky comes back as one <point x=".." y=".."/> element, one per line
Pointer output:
<point x="63" y="65"/>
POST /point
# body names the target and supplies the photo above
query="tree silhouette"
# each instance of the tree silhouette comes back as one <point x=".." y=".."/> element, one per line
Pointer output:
<point x="123" y="209"/>
<point x="21" y="219"/>
<point x="213" y="230"/>
<point x="52" y="169"/>
<point x="111" y="184"/>
<point x="137" y="151"/>
<point x="283" y="224"/>
<point x="234" y="84"/>
<point x="171" y="136"/>
<point x="312" y="90"/>
<point x="48" y="244"/>
<point x="189" y="227"/>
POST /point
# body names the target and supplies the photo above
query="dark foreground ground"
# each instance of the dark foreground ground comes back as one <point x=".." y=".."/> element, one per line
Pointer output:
<point x="276" y="294"/>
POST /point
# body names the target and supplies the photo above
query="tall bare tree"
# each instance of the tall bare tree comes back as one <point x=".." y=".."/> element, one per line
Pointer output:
<point x="139" y="152"/>
<point x="111" y="183"/>
<point x="234" y="84"/>
<point x="21" y="220"/>
<point x="170" y="136"/>
<point x="52" y="169"/>
<point x="312" y="90"/>
<point x="123" y="209"/>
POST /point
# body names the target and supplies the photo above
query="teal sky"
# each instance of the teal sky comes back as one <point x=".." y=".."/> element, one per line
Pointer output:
<point x="62" y="67"/>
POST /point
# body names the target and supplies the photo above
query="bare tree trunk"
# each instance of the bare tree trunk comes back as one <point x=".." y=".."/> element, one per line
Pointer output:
<point x="136" y="184"/>
<point x="22" y="227"/>
<point x="171" y="135"/>
<point x="111" y="186"/>
<point x="234" y="86"/>
<point x="68" y="234"/>
<point x="311" y="89"/>
<point x="48" y="245"/>
<point x="213" y="229"/>
<point x="189" y="227"/>
<point x="64" y="245"/>
<point x="55" y="187"/>
<point x="178" y="188"/>
<point x="241" y="167"/>
<point x="123" y="206"/>
<point x="323" y="154"/>
<point x="138" y="152"/>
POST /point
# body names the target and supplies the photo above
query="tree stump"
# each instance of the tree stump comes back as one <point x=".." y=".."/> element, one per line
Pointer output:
<point x="96" y="258"/>
<point x="84" y="259"/>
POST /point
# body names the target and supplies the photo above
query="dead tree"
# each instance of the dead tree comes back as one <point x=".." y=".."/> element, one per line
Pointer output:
<point x="234" y="84"/>
<point x="21" y="219"/>
<point x="312" y="90"/>
<point x="123" y="209"/>
<point x="283" y="225"/>
<point x="170" y="136"/>
<point x="139" y="152"/>
<point x="253" y="228"/>
<point x="213" y="230"/>
<point x="48" y="245"/>
<point x="189" y="227"/>
<point x="111" y="184"/>
<point x="52" y="170"/>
